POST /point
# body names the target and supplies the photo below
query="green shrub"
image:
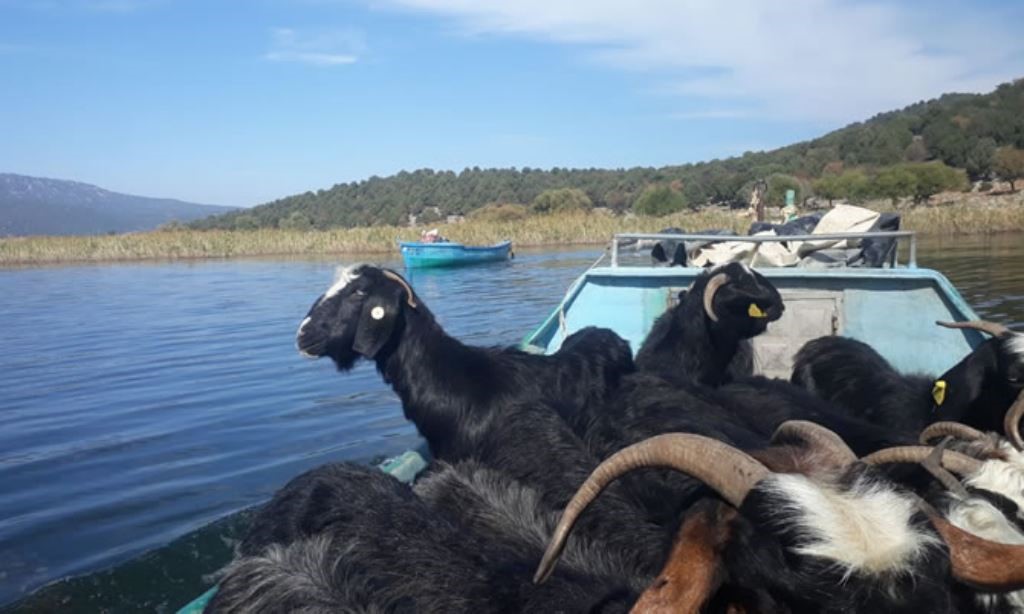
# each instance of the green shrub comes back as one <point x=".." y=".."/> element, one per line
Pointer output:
<point x="499" y="212"/>
<point x="562" y="200"/>
<point x="659" y="200"/>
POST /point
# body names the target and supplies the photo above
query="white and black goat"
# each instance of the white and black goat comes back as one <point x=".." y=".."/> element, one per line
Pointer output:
<point x="977" y="391"/>
<point x="814" y="531"/>
<point x="453" y="392"/>
<point x="703" y="338"/>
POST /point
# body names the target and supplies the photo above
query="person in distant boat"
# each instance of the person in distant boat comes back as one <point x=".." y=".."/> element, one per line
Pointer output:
<point x="432" y="236"/>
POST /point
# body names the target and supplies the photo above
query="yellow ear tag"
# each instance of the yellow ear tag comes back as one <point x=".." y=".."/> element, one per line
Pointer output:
<point x="755" y="312"/>
<point x="939" y="391"/>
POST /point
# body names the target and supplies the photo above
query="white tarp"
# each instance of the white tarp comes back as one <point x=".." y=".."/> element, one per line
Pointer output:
<point x="842" y="218"/>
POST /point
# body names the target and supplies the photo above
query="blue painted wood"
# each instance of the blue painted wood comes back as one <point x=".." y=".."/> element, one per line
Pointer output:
<point x="893" y="310"/>
<point x="429" y="255"/>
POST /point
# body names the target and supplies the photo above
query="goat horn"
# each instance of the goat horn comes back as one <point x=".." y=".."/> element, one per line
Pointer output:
<point x="956" y="430"/>
<point x="1011" y="422"/>
<point x="408" y="289"/>
<point x="728" y="471"/>
<point x="978" y="562"/>
<point x="954" y="461"/>
<point x="716" y="282"/>
<point x="984" y="326"/>
<point x="819" y="438"/>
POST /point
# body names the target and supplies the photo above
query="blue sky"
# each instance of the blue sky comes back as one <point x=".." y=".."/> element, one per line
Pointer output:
<point x="242" y="101"/>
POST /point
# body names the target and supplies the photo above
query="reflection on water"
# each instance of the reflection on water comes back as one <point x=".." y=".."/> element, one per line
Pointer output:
<point x="988" y="272"/>
<point x="139" y="402"/>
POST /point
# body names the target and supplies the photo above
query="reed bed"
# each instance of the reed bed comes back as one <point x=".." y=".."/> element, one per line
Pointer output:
<point x="536" y="231"/>
<point x="966" y="216"/>
<point x="961" y="218"/>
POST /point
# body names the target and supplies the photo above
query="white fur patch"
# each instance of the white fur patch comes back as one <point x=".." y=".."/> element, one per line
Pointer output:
<point x="866" y="528"/>
<point x="298" y="336"/>
<point x="1016" y="345"/>
<point x="342" y="277"/>
<point x="981" y="518"/>
<point x="1005" y="478"/>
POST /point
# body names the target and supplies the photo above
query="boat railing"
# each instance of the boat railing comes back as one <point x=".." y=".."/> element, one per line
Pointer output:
<point x="897" y="235"/>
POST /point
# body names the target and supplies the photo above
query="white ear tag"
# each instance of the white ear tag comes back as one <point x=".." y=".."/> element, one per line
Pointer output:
<point x="377" y="313"/>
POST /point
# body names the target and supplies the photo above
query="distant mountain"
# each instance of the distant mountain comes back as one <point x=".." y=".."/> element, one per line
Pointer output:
<point x="38" y="206"/>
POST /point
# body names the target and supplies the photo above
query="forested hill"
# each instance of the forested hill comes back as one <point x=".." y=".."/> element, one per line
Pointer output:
<point x="892" y="154"/>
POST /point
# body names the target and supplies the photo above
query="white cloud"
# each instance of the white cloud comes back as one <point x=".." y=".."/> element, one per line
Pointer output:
<point x="823" y="60"/>
<point x="321" y="48"/>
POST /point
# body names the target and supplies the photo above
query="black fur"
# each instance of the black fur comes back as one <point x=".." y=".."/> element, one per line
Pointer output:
<point x="765" y="574"/>
<point x="685" y="344"/>
<point x="455" y="393"/>
<point x="853" y="376"/>
<point x="388" y="551"/>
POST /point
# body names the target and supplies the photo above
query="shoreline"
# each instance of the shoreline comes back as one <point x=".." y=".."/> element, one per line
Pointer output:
<point x="960" y="214"/>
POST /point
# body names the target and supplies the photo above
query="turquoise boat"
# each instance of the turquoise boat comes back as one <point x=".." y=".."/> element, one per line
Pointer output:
<point x="893" y="309"/>
<point x="418" y="255"/>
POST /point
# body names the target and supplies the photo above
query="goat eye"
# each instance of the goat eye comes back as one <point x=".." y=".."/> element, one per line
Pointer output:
<point x="360" y="292"/>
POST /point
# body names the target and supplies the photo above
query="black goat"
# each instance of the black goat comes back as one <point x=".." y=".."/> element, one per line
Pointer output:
<point x="504" y="513"/>
<point x="454" y="393"/>
<point x="977" y="391"/>
<point x="744" y="413"/>
<point x="500" y="407"/>
<point x="345" y="538"/>
<point x="699" y="338"/>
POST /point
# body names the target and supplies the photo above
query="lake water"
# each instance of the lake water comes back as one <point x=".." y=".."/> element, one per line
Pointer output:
<point x="141" y="402"/>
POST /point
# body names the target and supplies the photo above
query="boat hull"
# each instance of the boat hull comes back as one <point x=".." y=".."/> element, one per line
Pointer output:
<point x="436" y="255"/>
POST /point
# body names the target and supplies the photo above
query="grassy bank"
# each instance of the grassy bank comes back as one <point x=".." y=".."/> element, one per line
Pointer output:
<point x="970" y="214"/>
<point x="539" y="231"/>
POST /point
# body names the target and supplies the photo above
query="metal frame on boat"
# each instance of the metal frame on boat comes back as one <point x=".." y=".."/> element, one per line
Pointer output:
<point x="836" y="236"/>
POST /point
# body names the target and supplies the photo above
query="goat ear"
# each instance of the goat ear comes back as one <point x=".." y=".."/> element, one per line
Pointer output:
<point x="377" y="322"/>
<point x="694" y="570"/>
<point x="964" y="382"/>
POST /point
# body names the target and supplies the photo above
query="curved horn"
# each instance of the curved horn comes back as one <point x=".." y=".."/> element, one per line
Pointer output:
<point x="991" y="328"/>
<point x="819" y="438"/>
<point x="408" y="289"/>
<point x="728" y="471"/>
<point x="986" y="565"/>
<point x="1011" y="422"/>
<point x="716" y="282"/>
<point x="956" y="462"/>
<point x="956" y="430"/>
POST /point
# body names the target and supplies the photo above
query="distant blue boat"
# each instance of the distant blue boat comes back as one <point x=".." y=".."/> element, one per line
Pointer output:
<point x="430" y="255"/>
